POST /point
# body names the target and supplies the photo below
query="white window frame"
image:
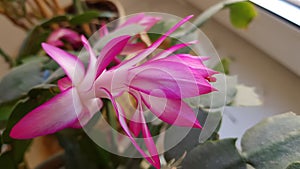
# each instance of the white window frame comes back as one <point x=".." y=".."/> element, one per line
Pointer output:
<point x="268" y="32"/>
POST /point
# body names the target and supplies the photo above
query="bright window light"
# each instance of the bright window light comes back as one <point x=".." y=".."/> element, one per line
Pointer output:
<point x="287" y="9"/>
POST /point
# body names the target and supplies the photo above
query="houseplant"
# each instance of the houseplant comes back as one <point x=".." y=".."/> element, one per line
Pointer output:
<point x="51" y="103"/>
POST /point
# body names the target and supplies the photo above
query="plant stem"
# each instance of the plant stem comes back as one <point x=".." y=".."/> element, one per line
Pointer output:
<point x="7" y="58"/>
<point x="207" y="14"/>
<point x="42" y="8"/>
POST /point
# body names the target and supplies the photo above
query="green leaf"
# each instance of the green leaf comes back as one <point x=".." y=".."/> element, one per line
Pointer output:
<point x="6" y="109"/>
<point x="45" y="24"/>
<point x="7" y="161"/>
<point x="32" y="43"/>
<point x="155" y="32"/>
<point x="273" y="143"/>
<point x="247" y="14"/>
<point x="81" y="152"/>
<point x="20" y="80"/>
<point x="225" y="94"/>
<point x="11" y="159"/>
<point x="241" y="14"/>
<point x="294" y="165"/>
<point x="223" y="66"/>
<point x="221" y="154"/>
<point x="7" y="58"/>
<point x="192" y="138"/>
<point x="36" y="97"/>
<point x="84" y="17"/>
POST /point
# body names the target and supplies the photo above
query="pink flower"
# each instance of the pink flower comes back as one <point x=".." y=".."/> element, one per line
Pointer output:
<point x="56" y="38"/>
<point x="145" y="20"/>
<point x="160" y="84"/>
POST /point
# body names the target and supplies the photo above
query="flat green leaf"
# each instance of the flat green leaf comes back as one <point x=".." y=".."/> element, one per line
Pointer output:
<point x="81" y="152"/>
<point x="221" y="154"/>
<point x="273" y="143"/>
<point x="7" y="161"/>
<point x="56" y="19"/>
<point x="84" y="17"/>
<point x="20" y="80"/>
<point x="32" y="43"/>
<point x="294" y="165"/>
<point x="6" y="109"/>
<point x="7" y="58"/>
<point x="36" y="97"/>
<point x="241" y="14"/>
<point x="226" y="91"/>
<point x="11" y="159"/>
<point x="223" y="66"/>
<point x="192" y="137"/>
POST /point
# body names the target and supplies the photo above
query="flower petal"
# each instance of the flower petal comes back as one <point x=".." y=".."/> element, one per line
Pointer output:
<point x="146" y="133"/>
<point x="172" y="49"/>
<point x="72" y="65"/>
<point x="168" y="79"/>
<point x="154" y="46"/>
<point x="195" y="63"/>
<point x="91" y="107"/>
<point x="90" y="75"/>
<point x="133" y="48"/>
<point x="66" y="34"/>
<point x="110" y="51"/>
<point x="64" y="83"/>
<point x="142" y="19"/>
<point x="54" y="115"/>
<point x="120" y="113"/>
<point x="103" y="30"/>
<point x="135" y="125"/>
<point x="172" y="111"/>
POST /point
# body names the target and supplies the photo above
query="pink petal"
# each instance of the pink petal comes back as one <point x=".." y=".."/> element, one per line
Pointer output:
<point x="90" y="75"/>
<point x="64" y="83"/>
<point x="103" y="30"/>
<point x="167" y="79"/>
<point x="132" y="20"/>
<point x="146" y="133"/>
<point x="172" y="111"/>
<point x="91" y="107"/>
<point x="54" y="115"/>
<point x="64" y="34"/>
<point x="195" y="63"/>
<point x="142" y="19"/>
<point x="110" y="51"/>
<point x="153" y="47"/>
<point x="133" y="48"/>
<point x="172" y="49"/>
<point x="120" y="114"/>
<point x="57" y="43"/>
<point x="72" y="65"/>
<point x="135" y="125"/>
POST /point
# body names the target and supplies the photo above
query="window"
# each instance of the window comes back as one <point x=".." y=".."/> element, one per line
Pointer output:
<point x="287" y="9"/>
<point x="294" y="2"/>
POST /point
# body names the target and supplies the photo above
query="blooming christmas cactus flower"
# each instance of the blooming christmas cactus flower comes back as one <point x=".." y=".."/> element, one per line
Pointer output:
<point x="160" y="84"/>
<point x="56" y="38"/>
